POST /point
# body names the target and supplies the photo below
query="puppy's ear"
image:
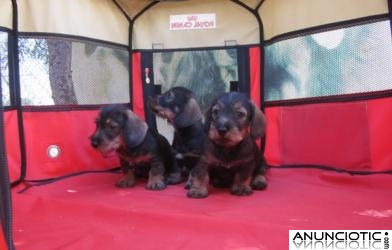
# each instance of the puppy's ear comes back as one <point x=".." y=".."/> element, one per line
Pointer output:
<point x="257" y="124"/>
<point x="207" y="118"/>
<point x="190" y="114"/>
<point x="152" y="102"/>
<point x="135" y="129"/>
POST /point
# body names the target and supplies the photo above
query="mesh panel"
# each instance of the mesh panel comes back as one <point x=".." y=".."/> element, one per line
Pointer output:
<point x="343" y="61"/>
<point x="61" y="71"/>
<point x="4" y="75"/>
<point x="207" y="73"/>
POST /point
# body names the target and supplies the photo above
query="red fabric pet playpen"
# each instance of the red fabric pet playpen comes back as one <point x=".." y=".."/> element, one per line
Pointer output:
<point x="320" y="70"/>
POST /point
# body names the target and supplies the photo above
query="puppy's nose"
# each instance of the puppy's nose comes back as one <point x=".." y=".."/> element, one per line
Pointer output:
<point x="95" y="141"/>
<point x="222" y="131"/>
<point x="223" y="128"/>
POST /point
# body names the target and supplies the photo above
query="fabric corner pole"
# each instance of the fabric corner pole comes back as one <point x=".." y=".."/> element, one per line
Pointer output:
<point x="16" y="91"/>
<point x="3" y="244"/>
<point x="137" y="86"/>
<point x="255" y="83"/>
<point x="390" y="13"/>
<point x="255" y="77"/>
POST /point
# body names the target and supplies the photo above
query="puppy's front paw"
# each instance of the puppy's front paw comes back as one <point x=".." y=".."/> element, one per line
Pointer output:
<point x="241" y="190"/>
<point x="197" y="193"/>
<point x="259" y="182"/>
<point x="155" y="185"/>
<point x="125" y="183"/>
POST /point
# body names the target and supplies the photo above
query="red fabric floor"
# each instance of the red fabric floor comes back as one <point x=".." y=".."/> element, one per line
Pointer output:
<point x="89" y="212"/>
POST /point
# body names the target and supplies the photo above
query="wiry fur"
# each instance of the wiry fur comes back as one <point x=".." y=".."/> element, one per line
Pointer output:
<point x="180" y="108"/>
<point x="141" y="150"/>
<point x="230" y="155"/>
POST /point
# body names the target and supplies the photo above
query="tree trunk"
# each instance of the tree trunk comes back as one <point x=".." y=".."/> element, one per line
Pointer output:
<point x="60" y="73"/>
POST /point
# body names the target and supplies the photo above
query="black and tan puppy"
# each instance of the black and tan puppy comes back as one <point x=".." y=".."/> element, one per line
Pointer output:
<point x="180" y="108"/>
<point x="230" y="154"/>
<point x="141" y="150"/>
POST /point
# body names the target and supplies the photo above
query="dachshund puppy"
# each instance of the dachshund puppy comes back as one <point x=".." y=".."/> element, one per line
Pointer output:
<point x="230" y="154"/>
<point x="142" y="151"/>
<point x="180" y="108"/>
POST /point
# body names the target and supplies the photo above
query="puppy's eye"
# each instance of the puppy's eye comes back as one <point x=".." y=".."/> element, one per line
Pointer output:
<point x="240" y="114"/>
<point x="214" y="112"/>
<point x="112" y="126"/>
<point x="169" y="97"/>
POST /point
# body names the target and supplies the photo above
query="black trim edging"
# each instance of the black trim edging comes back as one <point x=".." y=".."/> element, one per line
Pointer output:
<point x="16" y="95"/>
<point x="330" y="99"/>
<point x="327" y="27"/>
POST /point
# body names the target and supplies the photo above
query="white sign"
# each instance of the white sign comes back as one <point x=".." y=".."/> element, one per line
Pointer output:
<point x="193" y="21"/>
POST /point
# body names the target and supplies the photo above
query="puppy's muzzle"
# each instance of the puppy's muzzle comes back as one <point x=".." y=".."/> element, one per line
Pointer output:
<point x="223" y="126"/>
<point x="222" y="130"/>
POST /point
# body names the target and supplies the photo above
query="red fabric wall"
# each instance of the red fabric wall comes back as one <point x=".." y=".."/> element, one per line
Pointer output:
<point x="380" y="132"/>
<point x="3" y="244"/>
<point x="12" y="144"/>
<point x="70" y="130"/>
<point x="346" y="135"/>
<point x="255" y="75"/>
<point x="137" y="86"/>
<point x="350" y="135"/>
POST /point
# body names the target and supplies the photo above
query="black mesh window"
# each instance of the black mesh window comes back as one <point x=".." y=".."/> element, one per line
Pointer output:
<point x="342" y="61"/>
<point x="4" y="75"/>
<point x="61" y="71"/>
<point x="207" y="73"/>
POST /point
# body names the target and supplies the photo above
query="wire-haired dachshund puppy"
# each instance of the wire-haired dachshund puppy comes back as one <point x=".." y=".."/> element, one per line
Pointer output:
<point x="142" y="151"/>
<point x="230" y="154"/>
<point x="180" y="108"/>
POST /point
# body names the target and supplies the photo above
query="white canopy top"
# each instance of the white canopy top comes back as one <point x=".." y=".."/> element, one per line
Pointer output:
<point x="108" y="20"/>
